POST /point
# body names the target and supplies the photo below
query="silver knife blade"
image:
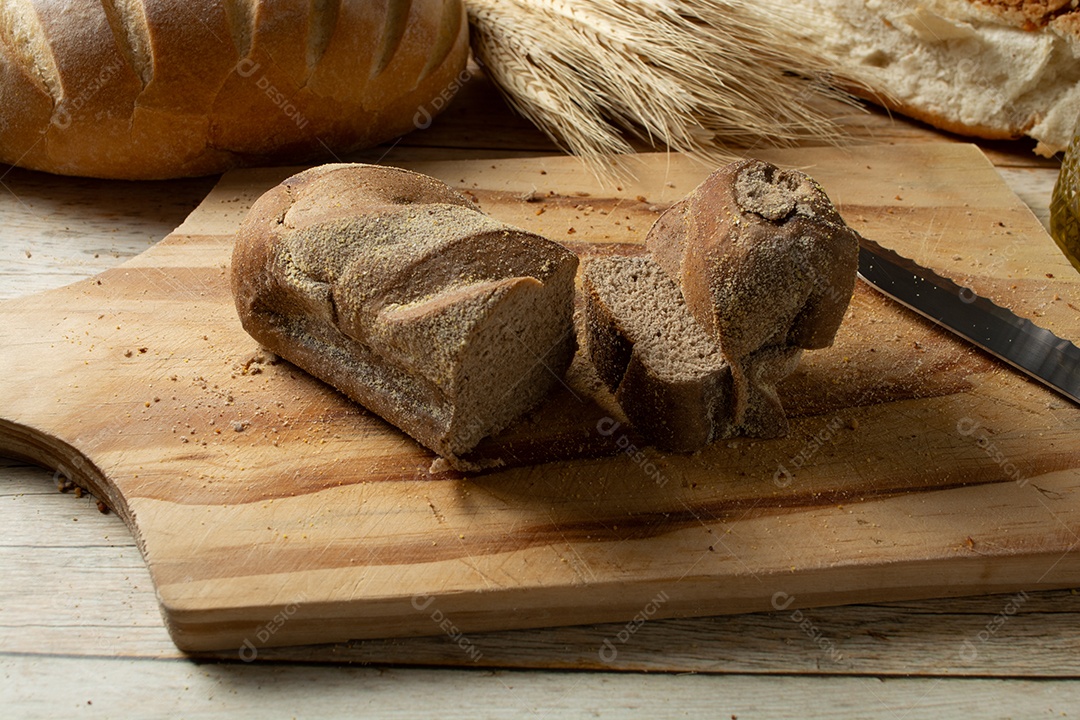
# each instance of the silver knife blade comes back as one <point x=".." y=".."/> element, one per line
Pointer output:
<point x="1019" y="342"/>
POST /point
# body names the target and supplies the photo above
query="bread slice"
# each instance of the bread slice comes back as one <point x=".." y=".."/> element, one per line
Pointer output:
<point x="667" y="374"/>
<point x="988" y="68"/>
<point x="396" y="290"/>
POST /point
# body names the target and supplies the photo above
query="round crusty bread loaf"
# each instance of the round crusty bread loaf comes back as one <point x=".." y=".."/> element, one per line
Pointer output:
<point x="985" y="68"/>
<point x="763" y="260"/>
<point x="397" y="290"/>
<point x="149" y="89"/>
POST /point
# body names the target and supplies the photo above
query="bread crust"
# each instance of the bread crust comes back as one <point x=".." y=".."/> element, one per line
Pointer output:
<point x="749" y="269"/>
<point x="19" y="88"/>
<point x="763" y="259"/>
<point x="396" y="290"/>
<point x="163" y="90"/>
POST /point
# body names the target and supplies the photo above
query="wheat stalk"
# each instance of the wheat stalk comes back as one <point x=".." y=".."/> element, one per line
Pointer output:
<point x="698" y="76"/>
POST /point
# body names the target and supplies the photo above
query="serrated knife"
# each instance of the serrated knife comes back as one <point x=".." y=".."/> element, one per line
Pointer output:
<point x="1019" y="342"/>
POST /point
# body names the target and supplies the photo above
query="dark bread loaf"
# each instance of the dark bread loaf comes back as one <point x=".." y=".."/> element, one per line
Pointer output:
<point x="763" y="260"/>
<point x="146" y="89"/>
<point x="748" y="270"/>
<point x="396" y="290"/>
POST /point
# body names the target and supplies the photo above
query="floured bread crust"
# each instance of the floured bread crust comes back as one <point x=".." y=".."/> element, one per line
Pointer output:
<point x="754" y="266"/>
<point x="396" y="290"/>
<point x="764" y="261"/>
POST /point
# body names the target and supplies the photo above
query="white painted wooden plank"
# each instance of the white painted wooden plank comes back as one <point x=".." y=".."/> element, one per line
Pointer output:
<point x="46" y="687"/>
<point x="1034" y="186"/>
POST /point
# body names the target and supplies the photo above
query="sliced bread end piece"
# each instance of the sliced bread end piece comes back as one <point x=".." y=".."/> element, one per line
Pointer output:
<point x="667" y="374"/>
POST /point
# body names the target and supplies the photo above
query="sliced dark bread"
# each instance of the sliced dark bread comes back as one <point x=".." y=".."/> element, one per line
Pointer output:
<point x="395" y="289"/>
<point x="666" y="373"/>
<point x="763" y="260"/>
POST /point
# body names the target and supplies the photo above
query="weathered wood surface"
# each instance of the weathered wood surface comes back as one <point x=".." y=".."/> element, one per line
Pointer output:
<point x="917" y="468"/>
<point x="104" y="688"/>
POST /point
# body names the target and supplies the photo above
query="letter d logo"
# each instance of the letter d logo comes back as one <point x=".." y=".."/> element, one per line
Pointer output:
<point x="422" y="119"/>
<point x="965" y="426"/>
<point x="608" y="653"/>
<point x="607" y="426"/>
<point x="248" y="652"/>
<point x="247" y="67"/>
<point x="782" y="477"/>
<point x="421" y="602"/>
<point x="781" y="600"/>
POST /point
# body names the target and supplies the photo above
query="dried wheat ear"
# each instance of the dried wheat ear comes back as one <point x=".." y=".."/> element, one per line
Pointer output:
<point x="696" y="76"/>
<point x="750" y="269"/>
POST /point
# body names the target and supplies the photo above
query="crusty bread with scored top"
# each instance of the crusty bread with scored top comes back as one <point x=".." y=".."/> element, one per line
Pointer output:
<point x="145" y="89"/>
<point x="398" y="291"/>
<point x="987" y="68"/>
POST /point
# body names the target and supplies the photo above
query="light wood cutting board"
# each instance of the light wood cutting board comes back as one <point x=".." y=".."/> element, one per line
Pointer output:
<point x="272" y="511"/>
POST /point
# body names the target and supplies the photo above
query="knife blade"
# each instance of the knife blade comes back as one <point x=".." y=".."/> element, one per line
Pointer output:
<point x="1019" y="342"/>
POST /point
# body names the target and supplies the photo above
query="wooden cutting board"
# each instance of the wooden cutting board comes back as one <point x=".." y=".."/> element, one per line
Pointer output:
<point x="272" y="511"/>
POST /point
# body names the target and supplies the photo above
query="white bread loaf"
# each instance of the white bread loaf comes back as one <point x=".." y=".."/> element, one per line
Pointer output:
<point x="144" y="89"/>
<point x="398" y="291"/>
<point x="985" y="68"/>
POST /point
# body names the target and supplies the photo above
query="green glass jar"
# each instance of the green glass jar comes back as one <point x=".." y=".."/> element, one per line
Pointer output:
<point x="1065" y="203"/>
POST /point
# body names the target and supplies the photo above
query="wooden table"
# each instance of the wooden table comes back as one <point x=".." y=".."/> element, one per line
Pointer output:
<point x="80" y="632"/>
